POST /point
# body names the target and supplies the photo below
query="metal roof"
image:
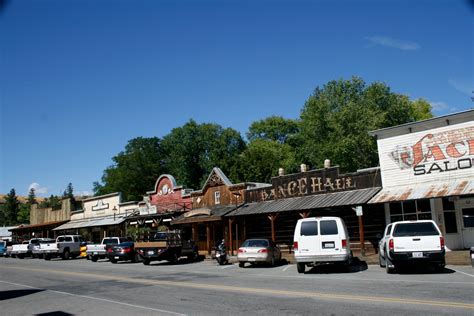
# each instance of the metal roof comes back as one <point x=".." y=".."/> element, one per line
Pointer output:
<point x="92" y="222"/>
<point x="353" y="197"/>
<point x="38" y="226"/>
<point x="215" y="213"/>
<point x="424" y="191"/>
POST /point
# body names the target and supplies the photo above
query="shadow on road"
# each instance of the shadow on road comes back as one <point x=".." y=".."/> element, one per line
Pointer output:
<point x="55" y="313"/>
<point x="422" y="269"/>
<point x="356" y="266"/>
<point x="6" y="295"/>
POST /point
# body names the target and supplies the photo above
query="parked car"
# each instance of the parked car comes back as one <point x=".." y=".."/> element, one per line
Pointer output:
<point x="258" y="251"/>
<point x="3" y="247"/>
<point x="411" y="242"/>
<point x="99" y="251"/>
<point x="123" y="252"/>
<point x="25" y="249"/>
<point x="320" y="240"/>
<point x="66" y="246"/>
<point x="36" y="253"/>
<point x="170" y="245"/>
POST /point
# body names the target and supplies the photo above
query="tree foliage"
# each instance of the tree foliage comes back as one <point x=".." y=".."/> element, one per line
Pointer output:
<point x="336" y="119"/>
<point x="53" y="202"/>
<point x="194" y="149"/>
<point x="273" y="128"/>
<point x="32" y="197"/>
<point x="135" y="169"/>
<point x="9" y="210"/>
<point x="69" y="192"/>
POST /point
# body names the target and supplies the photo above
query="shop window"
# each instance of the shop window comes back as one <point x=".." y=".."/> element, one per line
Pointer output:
<point x="450" y="222"/>
<point x="202" y="233"/>
<point x="447" y="204"/>
<point x="410" y="210"/>
<point x="468" y="217"/>
<point x="217" y="197"/>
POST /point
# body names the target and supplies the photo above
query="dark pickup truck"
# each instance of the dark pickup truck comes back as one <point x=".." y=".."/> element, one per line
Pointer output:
<point x="168" y="246"/>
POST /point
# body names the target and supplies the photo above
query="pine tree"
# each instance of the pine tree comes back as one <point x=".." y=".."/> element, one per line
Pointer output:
<point x="32" y="197"/>
<point x="11" y="208"/>
<point x="69" y="192"/>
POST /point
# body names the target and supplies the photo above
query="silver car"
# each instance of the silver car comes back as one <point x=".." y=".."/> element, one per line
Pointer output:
<point x="258" y="251"/>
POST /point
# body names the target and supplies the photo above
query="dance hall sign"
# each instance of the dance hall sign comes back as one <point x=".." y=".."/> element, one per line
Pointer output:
<point x="440" y="154"/>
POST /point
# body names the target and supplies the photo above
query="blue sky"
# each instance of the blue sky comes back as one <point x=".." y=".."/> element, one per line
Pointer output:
<point x="78" y="79"/>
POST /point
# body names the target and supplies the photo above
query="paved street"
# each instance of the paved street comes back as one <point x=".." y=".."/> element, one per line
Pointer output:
<point x="33" y="286"/>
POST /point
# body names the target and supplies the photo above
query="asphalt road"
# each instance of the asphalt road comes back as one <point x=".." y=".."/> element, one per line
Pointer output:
<point x="81" y="287"/>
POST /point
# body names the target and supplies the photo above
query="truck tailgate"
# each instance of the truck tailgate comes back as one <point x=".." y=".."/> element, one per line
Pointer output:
<point x="417" y="243"/>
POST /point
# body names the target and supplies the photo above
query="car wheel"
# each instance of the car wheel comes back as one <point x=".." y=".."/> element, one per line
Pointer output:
<point x="94" y="258"/>
<point x="21" y="256"/>
<point x="174" y="258"/>
<point x="66" y="254"/>
<point x="146" y="261"/>
<point x="241" y="264"/>
<point x="113" y="260"/>
<point x="47" y="257"/>
<point x="300" y="267"/>
<point x="273" y="262"/>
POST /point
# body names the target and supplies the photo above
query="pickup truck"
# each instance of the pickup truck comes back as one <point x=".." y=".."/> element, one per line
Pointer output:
<point x="66" y="246"/>
<point x="36" y="249"/>
<point x="99" y="251"/>
<point x="25" y="249"/>
<point x="166" y="246"/>
<point x="411" y="242"/>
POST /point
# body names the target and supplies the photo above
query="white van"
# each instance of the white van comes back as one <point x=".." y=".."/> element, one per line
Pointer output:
<point x="321" y="240"/>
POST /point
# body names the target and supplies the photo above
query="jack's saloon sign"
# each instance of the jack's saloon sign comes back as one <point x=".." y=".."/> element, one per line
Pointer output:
<point x="441" y="154"/>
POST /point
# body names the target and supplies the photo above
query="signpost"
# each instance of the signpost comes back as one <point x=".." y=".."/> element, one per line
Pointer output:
<point x="360" y="213"/>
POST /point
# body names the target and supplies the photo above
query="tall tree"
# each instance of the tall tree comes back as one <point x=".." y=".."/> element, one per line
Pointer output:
<point x="274" y="128"/>
<point x="336" y="119"/>
<point x="32" y="196"/>
<point x="191" y="151"/>
<point x="135" y="169"/>
<point x="11" y="208"/>
<point x="69" y="192"/>
<point x="23" y="216"/>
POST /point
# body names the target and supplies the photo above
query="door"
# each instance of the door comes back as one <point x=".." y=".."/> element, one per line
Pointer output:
<point x="330" y="243"/>
<point x="467" y="214"/>
<point x="309" y="241"/>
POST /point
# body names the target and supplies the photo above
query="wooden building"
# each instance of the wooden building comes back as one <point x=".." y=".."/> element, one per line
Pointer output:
<point x="272" y="211"/>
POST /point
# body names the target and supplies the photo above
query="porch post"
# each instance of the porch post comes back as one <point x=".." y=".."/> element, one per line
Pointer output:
<point x="231" y="244"/>
<point x="272" y="219"/>
<point x="208" y="238"/>
<point x="361" y="235"/>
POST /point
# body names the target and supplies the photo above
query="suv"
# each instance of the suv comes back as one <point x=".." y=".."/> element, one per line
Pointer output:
<point x="410" y="242"/>
<point x="321" y="240"/>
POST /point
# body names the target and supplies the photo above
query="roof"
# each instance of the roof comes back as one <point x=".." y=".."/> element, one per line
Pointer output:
<point x="353" y="197"/>
<point x="102" y="196"/>
<point x="424" y="191"/>
<point x="92" y="222"/>
<point x="34" y="226"/>
<point x="204" y="214"/>
<point x="5" y="231"/>
<point x="440" y="121"/>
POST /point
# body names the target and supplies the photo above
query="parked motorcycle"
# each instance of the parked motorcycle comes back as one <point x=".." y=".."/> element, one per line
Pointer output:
<point x="221" y="254"/>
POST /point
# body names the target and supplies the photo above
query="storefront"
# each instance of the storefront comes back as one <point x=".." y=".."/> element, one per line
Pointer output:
<point x="100" y="216"/>
<point x="272" y="211"/>
<point x="427" y="172"/>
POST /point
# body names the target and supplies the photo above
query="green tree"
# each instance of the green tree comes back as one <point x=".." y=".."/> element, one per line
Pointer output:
<point x="135" y="169"/>
<point x="32" y="197"/>
<point x="69" y="192"/>
<point x="275" y="128"/>
<point x="11" y="208"/>
<point x="23" y="216"/>
<point x="262" y="159"/>
<point x="336" y="119"/>
<point x="194" y="149"/>
<point x="53" y="202"/>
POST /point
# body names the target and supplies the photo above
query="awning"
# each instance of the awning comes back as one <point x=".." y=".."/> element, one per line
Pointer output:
<point x="92" y="222"/>
<point x="37" y="226"/>
<point x="354" y="197"/>
<point x="424" y="191"/>
<point x="204" y="214"/>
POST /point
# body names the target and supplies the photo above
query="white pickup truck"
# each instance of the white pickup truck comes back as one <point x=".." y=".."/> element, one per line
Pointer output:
<point x="25" y="249"/>
<point x="99" y="251"/>
<point x="65" y="247"/>
<point x="411" y="242"/>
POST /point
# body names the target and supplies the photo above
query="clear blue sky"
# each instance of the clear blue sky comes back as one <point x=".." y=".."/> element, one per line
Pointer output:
<point x="78" y="79"/>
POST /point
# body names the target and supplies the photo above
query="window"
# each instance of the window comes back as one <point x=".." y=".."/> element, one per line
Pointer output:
<point x="76" y="239"/>
<point x="450" y="222"/>
<point x="217" y="197"/>
<point x="468" y="217"/>
<point x="447" y="204"/>
<point x="389" y="229"/>
<point x="309" y="228"/>
<point x="415" y="229"/>
<point x="328" y="227"/>
<point x="68" y="239"/>
<point x="410" y="210"/>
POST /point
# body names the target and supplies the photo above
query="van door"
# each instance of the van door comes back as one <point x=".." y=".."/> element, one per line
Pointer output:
<point x="330" y="243"/>
<point x="308" y="244"/>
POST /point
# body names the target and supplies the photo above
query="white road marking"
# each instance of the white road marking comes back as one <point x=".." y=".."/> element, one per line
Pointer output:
<point x="286" y="268"/>
<point x="471" y="275"/>
<point x="95" y="298"/>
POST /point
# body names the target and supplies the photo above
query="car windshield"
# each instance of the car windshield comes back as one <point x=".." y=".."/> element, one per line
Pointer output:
<point x="47" y="241"/>
<point x="415" y="229"/>
<point x="109" y="241"/>
<point x="255" y="243"/>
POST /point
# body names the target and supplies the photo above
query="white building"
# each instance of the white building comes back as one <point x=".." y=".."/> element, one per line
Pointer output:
<point x="427" y="170"/>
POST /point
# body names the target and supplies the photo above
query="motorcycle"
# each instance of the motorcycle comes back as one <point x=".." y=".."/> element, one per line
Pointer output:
<point x="221" y="255"/>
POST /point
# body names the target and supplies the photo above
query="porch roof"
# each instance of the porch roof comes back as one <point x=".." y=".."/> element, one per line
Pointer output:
<point x="91" y="222"/>
<point x="345" y="198"/>
<point x="204" y="214"/>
